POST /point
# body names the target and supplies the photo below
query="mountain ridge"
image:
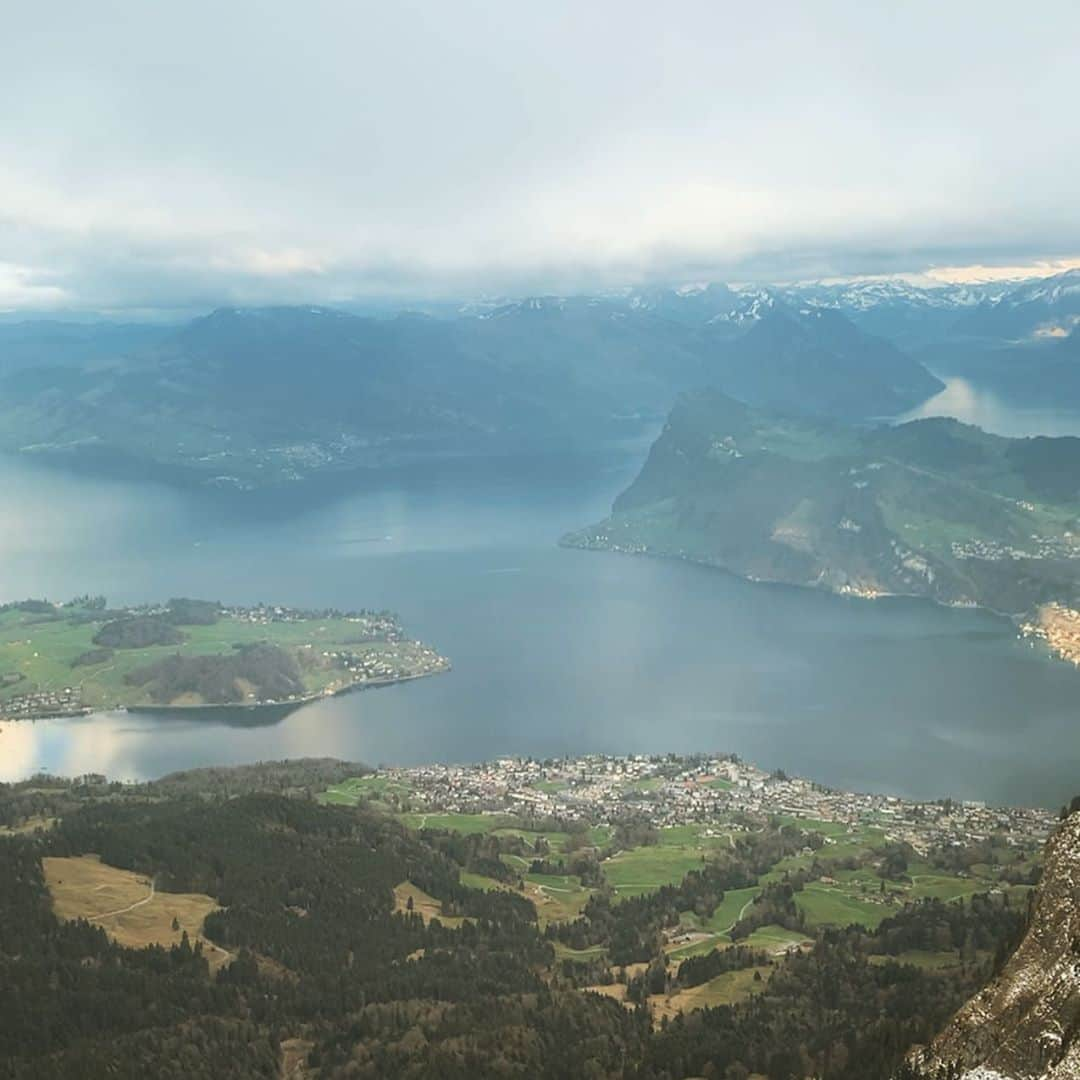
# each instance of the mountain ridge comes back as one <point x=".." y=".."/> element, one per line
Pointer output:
<point x="932" y="508"/>
<point x="257" y="397"/>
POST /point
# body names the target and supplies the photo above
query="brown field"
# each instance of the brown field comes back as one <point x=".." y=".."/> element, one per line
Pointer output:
<point x="127" y="906"/>
<point x="427" y="907"/>
<point x="612" y="990"/>
<point x="294" y="1054"/>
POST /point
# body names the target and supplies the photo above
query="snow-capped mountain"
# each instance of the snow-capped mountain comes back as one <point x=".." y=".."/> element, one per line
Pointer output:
<point x="1046" y="308"/>
<point x="691" y="304"/>
<point x="750" y="306"/>
<point x="866" y="293"/>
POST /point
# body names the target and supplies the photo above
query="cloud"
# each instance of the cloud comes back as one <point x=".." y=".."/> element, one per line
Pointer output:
<point x="21" y="289"/>
<point x="164" y="156"/>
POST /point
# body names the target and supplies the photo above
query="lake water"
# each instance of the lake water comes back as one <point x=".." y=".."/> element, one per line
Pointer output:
<point x="554" y="651"/>
<point x="985" y="408"/>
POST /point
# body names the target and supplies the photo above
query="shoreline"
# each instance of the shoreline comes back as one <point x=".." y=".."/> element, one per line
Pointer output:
<point x="1020" y="620"/>
<point x="289" y="706"/>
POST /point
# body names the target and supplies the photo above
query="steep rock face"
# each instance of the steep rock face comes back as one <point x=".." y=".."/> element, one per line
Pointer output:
<point x="1026" y="1024"/>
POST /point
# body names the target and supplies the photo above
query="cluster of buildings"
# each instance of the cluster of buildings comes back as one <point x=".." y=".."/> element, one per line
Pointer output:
<point x="370" y="625"/>
<point x="669" y="790"/>
<point x="66" y="701"/>
<point x="410" y="661"/>
<point x="1059" y="627"/>
<point x="1066" y="546"/>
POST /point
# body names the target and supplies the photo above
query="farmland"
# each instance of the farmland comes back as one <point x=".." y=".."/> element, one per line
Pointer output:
<point x="58" y="659"/>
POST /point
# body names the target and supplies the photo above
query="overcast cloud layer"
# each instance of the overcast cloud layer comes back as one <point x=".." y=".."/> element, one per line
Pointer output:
<point x="188" y="154"/>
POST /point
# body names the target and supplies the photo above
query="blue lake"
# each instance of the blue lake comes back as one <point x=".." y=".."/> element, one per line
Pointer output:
<point x="554" y="651"/>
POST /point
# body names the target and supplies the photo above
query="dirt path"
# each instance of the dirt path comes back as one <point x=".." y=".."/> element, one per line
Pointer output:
<point x="123" y="911"/>
<point x="741" y="914"/>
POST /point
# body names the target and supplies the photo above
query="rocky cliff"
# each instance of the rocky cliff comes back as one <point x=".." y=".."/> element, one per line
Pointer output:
<point x="1025" y="1025"/>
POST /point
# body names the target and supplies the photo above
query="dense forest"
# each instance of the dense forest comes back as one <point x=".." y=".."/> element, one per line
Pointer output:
<point x="271" y="668"/>
<point x="327" y="973"/>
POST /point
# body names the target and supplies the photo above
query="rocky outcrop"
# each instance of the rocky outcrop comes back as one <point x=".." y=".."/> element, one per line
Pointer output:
<point x="1025" y="1025"/>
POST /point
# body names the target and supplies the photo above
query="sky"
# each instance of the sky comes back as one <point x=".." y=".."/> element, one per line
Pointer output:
<point x="164" y="156"/>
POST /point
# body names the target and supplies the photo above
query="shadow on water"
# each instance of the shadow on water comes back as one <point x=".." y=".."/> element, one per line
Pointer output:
<point x="234" y="716"/>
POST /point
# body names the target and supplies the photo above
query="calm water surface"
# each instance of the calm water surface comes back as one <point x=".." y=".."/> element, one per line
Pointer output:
<point x="978" y="405"/>
<point x="554" y="651"/>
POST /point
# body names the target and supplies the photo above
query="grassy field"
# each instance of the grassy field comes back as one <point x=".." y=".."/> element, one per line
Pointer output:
<point x="564" y="952"/>
<point x="350" y="792"/>
<point x="774" y="939"/>
<point x="558" y="897"/>
<point x="501" y="825"/>
<point x="693" y="836"/>
<point x="928" y="961"/>
<point x="679" y="849"/>
<point x="556" y="840"/>
<point x="933" y="884"/>
<point x="424" y="905"/>
<point x="462" y="823"/>
<point x="827" y="905"/>
<point x="645" y="869"/>
<point x="698" y="947"/>
<point x="480" y="881"/>
<point x="727" y="989"/>
<point x="729" y="910"/>
<point x="43" y="648"/>
<point x="716" y="927"/>
<point x="852" y="896"/>
<point x="126" y="906"/>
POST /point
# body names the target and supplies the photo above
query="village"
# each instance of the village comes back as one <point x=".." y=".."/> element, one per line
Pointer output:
<point x="1059" y="627"/>
<point x="65" y="701"/>
<point x="371" y="625"/>
<point x="385" y="666"/>
<point x="669" y="791"/>
<point x="1043" y="547"/>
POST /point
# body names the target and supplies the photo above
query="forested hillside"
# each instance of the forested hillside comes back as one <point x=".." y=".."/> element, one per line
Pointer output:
<point x="930" y="508"/>
<point x="247" y="398"/>
<point x="341" y="944"/>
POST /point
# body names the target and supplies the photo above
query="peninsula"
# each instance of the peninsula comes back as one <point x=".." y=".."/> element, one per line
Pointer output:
<point x="930" y="508"/>
<point x="64" y="659"/>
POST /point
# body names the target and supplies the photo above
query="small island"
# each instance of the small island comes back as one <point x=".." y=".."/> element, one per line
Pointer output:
<point x="72" y="658"/>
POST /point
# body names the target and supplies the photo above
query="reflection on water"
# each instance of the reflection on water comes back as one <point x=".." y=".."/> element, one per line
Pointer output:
<point x="554" y="651"/>
<point x="581" y="651"/>
<point x="977" y="405"/>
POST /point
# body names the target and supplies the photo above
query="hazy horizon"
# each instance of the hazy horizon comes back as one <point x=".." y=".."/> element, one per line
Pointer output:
<point x="263" y="154"/>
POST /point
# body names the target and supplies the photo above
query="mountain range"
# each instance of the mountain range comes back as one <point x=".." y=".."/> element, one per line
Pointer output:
<point x="262" y="396"/>
<point x="257" y="397"/>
